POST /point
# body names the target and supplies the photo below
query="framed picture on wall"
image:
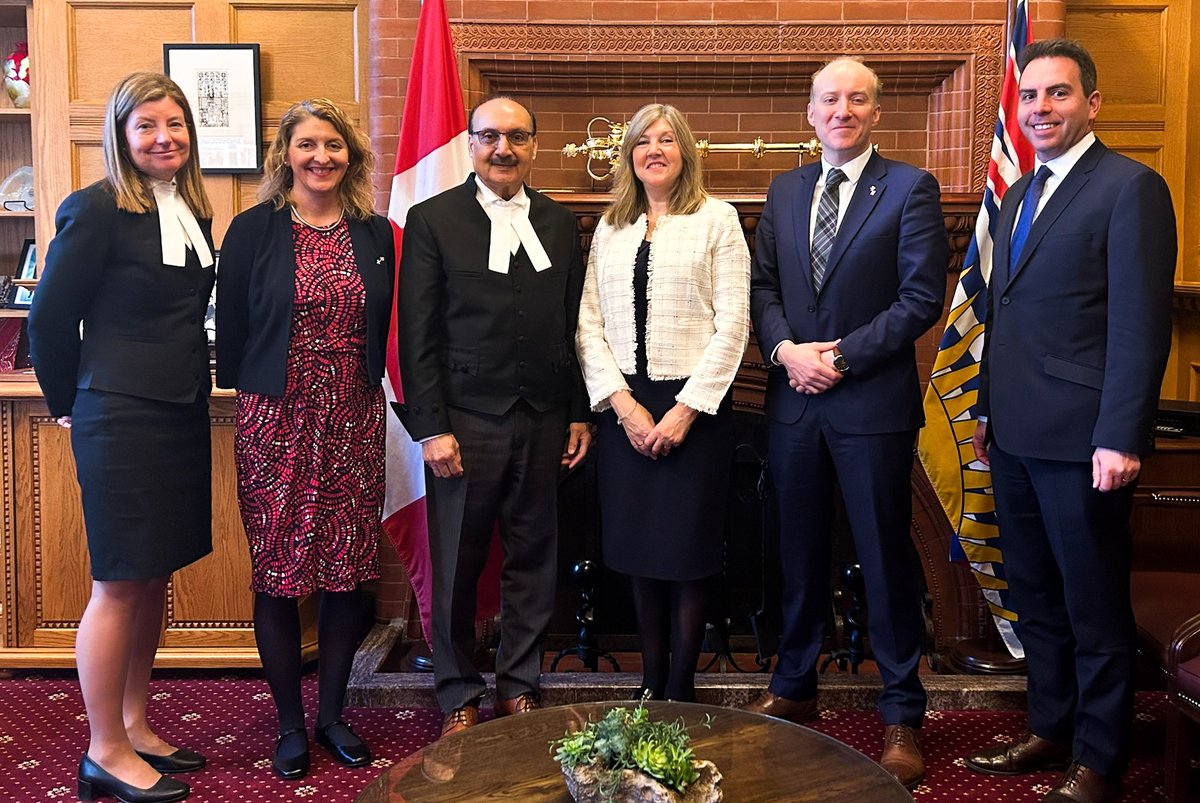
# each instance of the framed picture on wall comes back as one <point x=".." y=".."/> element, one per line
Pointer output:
<point x="26" y="270"/>
<point x="222" y="87"/>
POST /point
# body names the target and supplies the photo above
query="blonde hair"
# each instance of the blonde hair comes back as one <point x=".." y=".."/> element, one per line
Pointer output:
<point x="128" y="184"/>
<point x="355" y="191"/>
<point x="629" y="195"/>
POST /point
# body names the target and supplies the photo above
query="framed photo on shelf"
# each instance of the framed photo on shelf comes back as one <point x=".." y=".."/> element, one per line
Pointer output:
<point x="22" y="297"/>
<point x="221" y="83"/>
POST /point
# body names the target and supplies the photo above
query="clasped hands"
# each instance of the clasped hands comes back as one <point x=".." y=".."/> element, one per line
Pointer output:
<point x="647" y="437"/>
<point x="809" y="366"/>
<point x="444" y="459"/>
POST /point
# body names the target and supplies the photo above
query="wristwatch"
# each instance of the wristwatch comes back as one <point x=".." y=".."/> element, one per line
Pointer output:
<point x="839" y="360"/>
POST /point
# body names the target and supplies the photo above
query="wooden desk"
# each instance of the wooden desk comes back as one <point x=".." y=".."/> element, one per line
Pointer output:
<point x="47" y="579"/>
<point x="761" y="759"/>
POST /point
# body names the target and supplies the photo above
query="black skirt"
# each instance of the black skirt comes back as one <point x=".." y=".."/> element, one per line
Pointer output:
<point x="665" y="518"/>
<point x="145" y="471"/>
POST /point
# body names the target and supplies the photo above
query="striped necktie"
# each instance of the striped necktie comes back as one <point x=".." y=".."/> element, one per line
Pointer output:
<point x="826" y="228"/>
<point x="1029" y="206"/>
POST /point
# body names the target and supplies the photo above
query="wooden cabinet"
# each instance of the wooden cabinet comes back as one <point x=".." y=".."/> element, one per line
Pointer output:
<point x="46" y="576"/>
<point x="1166" y="509"/>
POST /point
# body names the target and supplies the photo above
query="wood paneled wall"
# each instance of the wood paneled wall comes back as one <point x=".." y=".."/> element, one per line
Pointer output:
<point x="1149" y="79"/>
<point x="309" y="48"/>
<point x="1149" y="75"/>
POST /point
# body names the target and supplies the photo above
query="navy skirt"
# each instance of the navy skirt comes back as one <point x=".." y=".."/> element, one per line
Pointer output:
<point x="145" y="471"/>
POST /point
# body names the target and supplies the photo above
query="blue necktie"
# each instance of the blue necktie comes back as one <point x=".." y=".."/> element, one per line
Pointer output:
<point x="1029" y="206"/>
<point x="826" y="228"/>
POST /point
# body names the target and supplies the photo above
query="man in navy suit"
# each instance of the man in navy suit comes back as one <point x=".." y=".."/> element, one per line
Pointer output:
<point x="1077" y="341"/>
<point x="849" y="270"/>
<point x="490" y="280"/>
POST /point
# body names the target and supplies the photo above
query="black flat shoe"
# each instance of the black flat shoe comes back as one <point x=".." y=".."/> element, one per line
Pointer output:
<point x="94" y="782"/>
<point x="182" y="760"/>
<point x="341" y="742"/>
<point x="291" y="768"/>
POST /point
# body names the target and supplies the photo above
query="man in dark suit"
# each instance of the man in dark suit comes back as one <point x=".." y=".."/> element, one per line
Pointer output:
<point x="490" y="280"/>
<point x="849" y="270"/>
<point x="1077" y="341"/>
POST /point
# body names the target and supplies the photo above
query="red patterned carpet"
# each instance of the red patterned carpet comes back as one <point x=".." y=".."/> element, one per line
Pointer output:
<point x="43" y="729"/>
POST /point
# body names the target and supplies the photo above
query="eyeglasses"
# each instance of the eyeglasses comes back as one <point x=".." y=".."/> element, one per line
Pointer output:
<point x="491" y="137"/>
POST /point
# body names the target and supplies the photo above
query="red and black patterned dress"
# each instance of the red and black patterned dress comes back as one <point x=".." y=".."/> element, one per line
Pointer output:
<point x="310" y="463"/>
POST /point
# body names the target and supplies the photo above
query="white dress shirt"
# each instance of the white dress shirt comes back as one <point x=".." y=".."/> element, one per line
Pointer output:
<point x="1059" y="166"/>
<point x="853" y="170"/>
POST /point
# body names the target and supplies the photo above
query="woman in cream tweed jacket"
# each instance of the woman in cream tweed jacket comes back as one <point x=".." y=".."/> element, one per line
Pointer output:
<point x="698" y="319"/>
<point x="662" y="326"/>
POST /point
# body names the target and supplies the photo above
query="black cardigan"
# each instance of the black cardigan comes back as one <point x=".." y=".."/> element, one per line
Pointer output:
<point x="256" y="286"/>
<point x="143" y="322"/>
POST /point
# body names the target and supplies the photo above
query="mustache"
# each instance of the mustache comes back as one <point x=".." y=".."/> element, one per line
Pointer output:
<point x="503" y="161"/>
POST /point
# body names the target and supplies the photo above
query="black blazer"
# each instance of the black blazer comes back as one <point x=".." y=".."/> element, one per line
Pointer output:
<point x="883" y="289"/>
<point x="257" y="287"/>
<point x="481" y="340"/>
<point x="1078" y="335"/>
<point x="143" y="322"/>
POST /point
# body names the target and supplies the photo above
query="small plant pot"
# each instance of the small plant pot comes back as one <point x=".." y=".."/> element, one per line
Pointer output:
<point x="592" y="784"/>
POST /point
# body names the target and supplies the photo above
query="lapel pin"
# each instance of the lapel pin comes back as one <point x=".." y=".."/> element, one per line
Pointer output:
<point x="872" y="189"/>
<point x="379" y="261"/>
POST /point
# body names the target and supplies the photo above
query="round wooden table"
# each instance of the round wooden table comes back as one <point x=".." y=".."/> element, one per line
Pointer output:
<point x="761" y="759"/>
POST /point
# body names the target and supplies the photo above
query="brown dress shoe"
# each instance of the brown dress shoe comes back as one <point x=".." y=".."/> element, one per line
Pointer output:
<point x="1083" y="785"/>
<point x="772" y="705"/>
<point x="902" y="754"/>
<point x="460" y="719"/>
<point x="520" y="704"/>
<point x="1030" y="753"/>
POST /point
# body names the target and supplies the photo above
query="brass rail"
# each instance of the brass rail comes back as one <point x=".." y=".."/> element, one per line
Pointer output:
<point x="606" y="148"/>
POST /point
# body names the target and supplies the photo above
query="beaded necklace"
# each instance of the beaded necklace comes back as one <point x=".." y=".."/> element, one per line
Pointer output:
<point x="329" y="227"/>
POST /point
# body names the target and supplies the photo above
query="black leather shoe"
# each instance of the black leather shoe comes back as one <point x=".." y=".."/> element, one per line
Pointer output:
<point x="182" y="760"/>
<point x="94" y="782"/>
<point x="341" y="742"/>
<point x="291" y="767"/>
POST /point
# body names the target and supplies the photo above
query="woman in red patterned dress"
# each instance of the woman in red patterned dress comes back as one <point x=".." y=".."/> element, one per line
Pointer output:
<point x="304" y="297"/>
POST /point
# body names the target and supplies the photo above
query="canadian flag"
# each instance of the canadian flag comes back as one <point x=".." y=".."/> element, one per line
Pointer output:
<point x="432" y="157"/>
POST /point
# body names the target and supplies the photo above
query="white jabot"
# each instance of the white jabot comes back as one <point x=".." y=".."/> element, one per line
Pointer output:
<point x="178" y="227"/>
<point x="510" y="229"/>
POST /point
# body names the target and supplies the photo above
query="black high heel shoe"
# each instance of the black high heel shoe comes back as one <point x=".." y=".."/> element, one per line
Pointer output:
<point x="94" y="782"/>
<point x="291" y="768"/>
<point x="343" y="744"/>
<point x="182" y="760"/>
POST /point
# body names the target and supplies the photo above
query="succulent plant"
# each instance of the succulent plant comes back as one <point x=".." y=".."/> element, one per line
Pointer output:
<point x="627" y="739"/>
